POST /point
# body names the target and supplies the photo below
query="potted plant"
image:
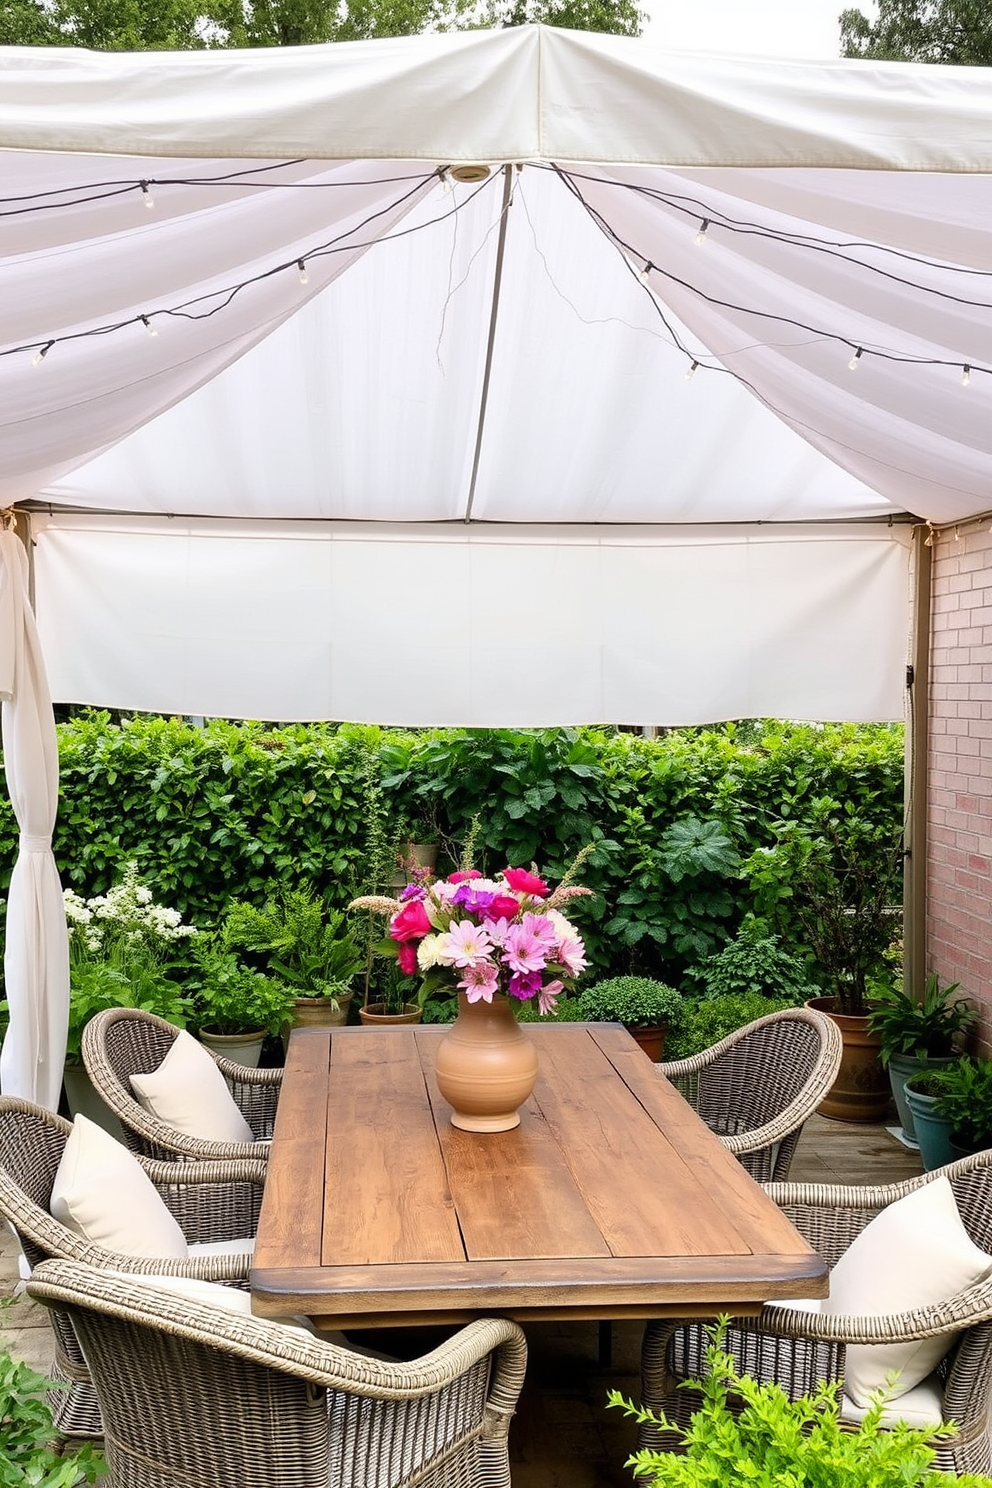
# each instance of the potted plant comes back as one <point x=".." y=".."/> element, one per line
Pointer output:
<point x="234" y="1005"/>
<point x="301" y="941"/>
<point x="838" y="878"/>
<point x="933" y="1131"/>
<point x="917" y="1034"/>
<point x="645" y="1007"/>
<point x="964" y="1098"/>
<point x="746" y="1433"/>
<point x="124" y="950"/>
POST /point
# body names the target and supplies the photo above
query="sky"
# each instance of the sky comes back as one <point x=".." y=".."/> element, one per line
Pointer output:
<point x="773" y="28"/>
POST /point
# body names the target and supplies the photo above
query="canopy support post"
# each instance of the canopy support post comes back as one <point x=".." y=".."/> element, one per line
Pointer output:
<point x="917" y="742"/>
<point x="497" y="283"/>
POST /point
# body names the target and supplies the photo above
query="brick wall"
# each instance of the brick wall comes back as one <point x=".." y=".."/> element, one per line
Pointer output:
<point x="959" y="921"/>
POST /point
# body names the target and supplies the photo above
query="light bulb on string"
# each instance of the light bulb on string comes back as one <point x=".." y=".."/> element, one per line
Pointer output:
<point x="147" y="194"/>
<point x="645" y="275"/>
<point x="965" y="375"/>
<point x="41" y="353"/>
<point x="703" y="230"/>
<point x="152" y="330"/>
<point x="304" y="276"/>
<point x="852" y="365"/>
<point x="691" y="372"/>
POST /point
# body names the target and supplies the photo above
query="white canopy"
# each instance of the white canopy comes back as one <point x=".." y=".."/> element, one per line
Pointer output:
<point x="473" y="419"/>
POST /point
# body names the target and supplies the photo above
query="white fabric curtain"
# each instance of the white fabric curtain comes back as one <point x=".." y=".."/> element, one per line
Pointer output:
<point x="475" y="625"/>
<point x="36" y="951"/>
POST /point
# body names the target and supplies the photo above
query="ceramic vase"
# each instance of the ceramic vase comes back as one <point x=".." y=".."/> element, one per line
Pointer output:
<point x="486" y="1066"/>
<point x="861" y="1091"/>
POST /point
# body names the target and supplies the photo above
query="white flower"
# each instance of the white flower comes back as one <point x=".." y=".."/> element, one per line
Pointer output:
<point x="427" y="952"/>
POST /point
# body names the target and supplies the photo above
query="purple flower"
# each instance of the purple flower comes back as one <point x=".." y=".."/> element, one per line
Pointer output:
<point x="413" y="891"/>
<point x="524" y="984"/>
<point x="476" y="901"/>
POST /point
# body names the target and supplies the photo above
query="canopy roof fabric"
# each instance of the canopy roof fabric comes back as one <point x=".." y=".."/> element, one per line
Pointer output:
<point x="715" y="291"/>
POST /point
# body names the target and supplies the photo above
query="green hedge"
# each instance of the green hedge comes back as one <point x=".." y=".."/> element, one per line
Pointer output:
<point x="237" y="810"/>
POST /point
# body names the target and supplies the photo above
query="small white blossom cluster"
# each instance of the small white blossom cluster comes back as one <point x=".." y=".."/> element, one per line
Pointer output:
<point x="125" y="913"/>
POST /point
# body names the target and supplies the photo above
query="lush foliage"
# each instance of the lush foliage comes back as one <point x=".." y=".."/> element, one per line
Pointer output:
<point x="925" y="1030"/>
<point x="773" y="1441"/>
<point x="705" y="1023"/>
<point x="485" y="936"/>
<point x="958" y="31"/>
<point x="298" y="938"/>
<point x="964" y="1097"/>
<point x="28" y="1456"/>
<point x="229" y="997"/>
<point x="754" y="963"/>
<point x="638" y="1002"/>
<point x="149" y="25"/>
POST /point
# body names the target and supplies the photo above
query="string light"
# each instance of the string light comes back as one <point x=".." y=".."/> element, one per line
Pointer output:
<point x="691" y="372"/>
<point x="41" y="353"/>
<point x="152" y="330"/>
<point x="304" y="276"/>
<point x="704" y="228"/>
<point x="965" y="375"/>
<point x="147" y="194"/>
<point x="645" y="275"/>
<point x="852" y="365"/>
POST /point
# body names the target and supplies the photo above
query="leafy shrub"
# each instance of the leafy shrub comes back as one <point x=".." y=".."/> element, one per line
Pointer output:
<point x="964" y="1097"/>
<point x="756" y="963"/>
<point x="744" y="1432"/>
<point x="707" y="1022"/>
<point x="228" y="997"/>
<point x="298" y="938"/>
<point x="638" y="1002"/>
<point x="28" y="1458"/>
<point x="925" y="1030"/>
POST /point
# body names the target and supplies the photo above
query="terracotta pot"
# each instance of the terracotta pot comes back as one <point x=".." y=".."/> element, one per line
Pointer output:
<point x="376" y="1013"/>
<point x="320" y="1012"/>
<point x="239" y="1048"/>
<point x="486" y="1066"/>
<point x="861" y="1090"/>
<point x="651" y="1040"/>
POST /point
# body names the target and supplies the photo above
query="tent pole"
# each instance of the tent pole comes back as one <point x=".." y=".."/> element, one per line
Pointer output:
<point x="497" y="282"/>
<point x="917" y="741"/>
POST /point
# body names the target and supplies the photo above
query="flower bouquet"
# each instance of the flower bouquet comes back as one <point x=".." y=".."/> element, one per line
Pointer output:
<point x="484" y="936"/>
<point x="496" y="942"/>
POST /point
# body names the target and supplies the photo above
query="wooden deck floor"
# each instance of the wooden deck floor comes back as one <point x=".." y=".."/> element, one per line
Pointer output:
<point x="564" y="1436"/>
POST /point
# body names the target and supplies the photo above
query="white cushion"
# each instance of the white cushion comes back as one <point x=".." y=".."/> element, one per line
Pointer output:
<point x="914" y="1253"/>
<point x="922" y="1406"/>
<point x="228" y="1299"/>
<point x="102" y="1193"/>
<point x="189" y="1092"/>
<point x="245" y="1247"/>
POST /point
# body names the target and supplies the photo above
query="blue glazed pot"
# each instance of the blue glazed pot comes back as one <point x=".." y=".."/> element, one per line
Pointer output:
<point x="933" y="1132"/>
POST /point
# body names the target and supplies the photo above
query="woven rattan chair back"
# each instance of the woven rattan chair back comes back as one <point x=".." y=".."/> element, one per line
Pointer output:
<point x="121" y="1042"/>
<point x="757" y="1087"/>
<point x="193" y="1396"/>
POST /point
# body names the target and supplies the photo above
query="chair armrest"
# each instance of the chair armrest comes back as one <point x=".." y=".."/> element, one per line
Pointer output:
<point x="963" y="1310"/>
<point x="211" y="1201"/>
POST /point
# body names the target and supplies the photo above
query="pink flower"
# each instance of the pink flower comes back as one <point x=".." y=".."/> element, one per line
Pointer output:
<point x="407" y="957"/>
<point x="480" y="982"/>
<point x="542" y="928"/>
<point x="464" y="875"/>
<point x="571" y="955"/>
<point x="503" y="907"/>
<point x="410" y="922"/>
<point x="522" y="882"/>
<point x="547" y="997"/>
<point x="524" y="951"/>
<point x="463" y="944"/>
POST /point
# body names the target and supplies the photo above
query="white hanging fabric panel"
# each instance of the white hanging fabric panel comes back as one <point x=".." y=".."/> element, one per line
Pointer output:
<point x="474" y="626"/>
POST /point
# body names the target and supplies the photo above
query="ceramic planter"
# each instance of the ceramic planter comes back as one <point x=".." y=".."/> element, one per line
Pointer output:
<point x="83" y="1100"/>
<point x="239" y="1048"/>
<point x="651" y="1040"/>
<point x="933" y="1132"/>
<point x="376" y="1014"/>
<point x="861" y="1091"/>
<point x="901" y="1067"/>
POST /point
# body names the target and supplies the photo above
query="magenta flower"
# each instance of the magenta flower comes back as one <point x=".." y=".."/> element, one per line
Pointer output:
<point x="413" y="891"/>
<point x="465" y="874"/>
<point x="523" y="984"/>
<point x="407" y="957"/>
<point x="410" y="922"/>
<point x="474" y="901"/>
<point x="522" y="882"/>
<point x="503" y="907"/>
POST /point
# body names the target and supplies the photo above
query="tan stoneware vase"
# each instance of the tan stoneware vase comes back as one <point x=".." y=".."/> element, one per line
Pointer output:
<point x="486" y="1066"/>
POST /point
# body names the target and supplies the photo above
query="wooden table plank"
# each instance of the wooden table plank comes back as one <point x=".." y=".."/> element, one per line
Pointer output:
<point x="289" y="1228"/>
<point x="665" y="1208"/>
<point x="387" y="1193"/>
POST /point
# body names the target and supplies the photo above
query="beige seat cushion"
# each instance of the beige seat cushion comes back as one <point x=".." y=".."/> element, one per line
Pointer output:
<point x="228" y="1299"/>
<point x="914" y="1253"/>
<point x="189" y="1092"/>
<point x="102" y="1193"/>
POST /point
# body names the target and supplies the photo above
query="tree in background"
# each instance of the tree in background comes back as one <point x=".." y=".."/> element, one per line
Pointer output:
<point x="921" y="31"/>
<point x="182" y="25"/>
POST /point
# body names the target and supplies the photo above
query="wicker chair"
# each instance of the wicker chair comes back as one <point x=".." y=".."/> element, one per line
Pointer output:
<point x="121" y="1042"/>
<point x="799" y="1349"/>
<point x="212" y="1202"/>
<point x="756" y="1088"/>
<point x="193" y="1395"/>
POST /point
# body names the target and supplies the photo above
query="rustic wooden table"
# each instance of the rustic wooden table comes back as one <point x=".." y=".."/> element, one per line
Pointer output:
<point x="610" y="1200"/>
